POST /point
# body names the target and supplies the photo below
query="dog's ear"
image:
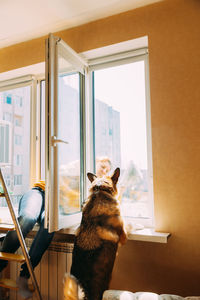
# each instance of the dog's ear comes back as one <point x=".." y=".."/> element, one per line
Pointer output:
<point x="91" y="177"/>
<point x="115" y="175"/>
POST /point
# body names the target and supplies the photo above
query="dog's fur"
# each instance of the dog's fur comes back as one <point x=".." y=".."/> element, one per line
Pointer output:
<point x="97" y="239"/>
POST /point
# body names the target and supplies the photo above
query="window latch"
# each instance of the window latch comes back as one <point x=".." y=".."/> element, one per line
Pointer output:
<point x="55" y="140"/>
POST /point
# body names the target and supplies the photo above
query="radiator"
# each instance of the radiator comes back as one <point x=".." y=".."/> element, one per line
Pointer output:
<point x="49" y="273"/>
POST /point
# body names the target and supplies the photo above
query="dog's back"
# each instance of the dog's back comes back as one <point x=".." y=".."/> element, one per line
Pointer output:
<point x="97" y="239"/>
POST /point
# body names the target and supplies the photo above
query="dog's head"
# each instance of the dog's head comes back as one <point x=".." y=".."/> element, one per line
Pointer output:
<point x="104" y="183"/>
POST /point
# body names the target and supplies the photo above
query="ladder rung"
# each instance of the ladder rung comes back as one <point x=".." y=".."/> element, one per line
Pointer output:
<point x="8" y="283"/>
<point x="2" y="195"/>
<point x="12" y="285"/>
<point x="12" y="257"/>
<point x="6" y="227"/>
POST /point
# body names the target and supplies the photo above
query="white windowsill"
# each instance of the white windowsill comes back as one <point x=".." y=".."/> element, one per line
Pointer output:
<point x="145" y="235"/>
<point x="149" y="235"/>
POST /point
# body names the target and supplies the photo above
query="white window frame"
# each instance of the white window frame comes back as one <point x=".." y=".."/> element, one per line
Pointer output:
<point x="23" y="81"/>
<point x="122" y="53"/>
<point x="115" y="55"/>
<point x="55" y="47"/>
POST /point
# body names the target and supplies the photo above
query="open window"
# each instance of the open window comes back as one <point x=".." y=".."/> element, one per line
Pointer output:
<point x="17" y="139"/>
<point x="65" y="127"/>
<point x="118" y="127"/>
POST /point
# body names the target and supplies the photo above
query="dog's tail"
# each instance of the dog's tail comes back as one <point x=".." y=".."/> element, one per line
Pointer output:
<point x="70" y="287"/>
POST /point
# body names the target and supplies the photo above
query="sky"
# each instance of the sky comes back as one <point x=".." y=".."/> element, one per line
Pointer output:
<point x="123" y="88"/>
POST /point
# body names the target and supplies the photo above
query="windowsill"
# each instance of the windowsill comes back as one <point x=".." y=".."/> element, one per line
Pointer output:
<point x="145" y="234"/>
<point x="149" y="235"/>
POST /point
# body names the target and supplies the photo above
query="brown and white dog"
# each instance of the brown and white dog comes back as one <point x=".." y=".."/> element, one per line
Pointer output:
<point x="96" y="242"/>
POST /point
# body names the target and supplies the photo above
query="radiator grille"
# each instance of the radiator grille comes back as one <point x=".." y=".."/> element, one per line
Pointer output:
<point x="49" y="273"/>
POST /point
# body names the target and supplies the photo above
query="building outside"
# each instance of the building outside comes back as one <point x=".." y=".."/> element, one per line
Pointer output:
<point x="107" y="139"/>
<point x="107" y="133"/>
<point x="15" y="141"/>
<point x="15" y="135"/>
<point x="107" y="127"/>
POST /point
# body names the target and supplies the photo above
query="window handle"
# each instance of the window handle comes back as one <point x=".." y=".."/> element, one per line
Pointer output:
<point x="55" y="140"/>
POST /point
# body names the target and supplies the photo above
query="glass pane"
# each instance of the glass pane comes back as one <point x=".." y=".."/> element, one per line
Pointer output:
<point x="42" y="133"/>
<point x="120" y="133"/>
<point x="15" y="145"/>
<point x="68" y="154"/>
<point x="63" y="134"/>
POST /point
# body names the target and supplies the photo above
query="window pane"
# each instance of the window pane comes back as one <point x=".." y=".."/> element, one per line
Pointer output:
<point x="2" y="149"/>
<point x="69" y="154"/>
<point x="120" y="132"/>
<point x="15" y="144"/>
<point x="42" y="133"/>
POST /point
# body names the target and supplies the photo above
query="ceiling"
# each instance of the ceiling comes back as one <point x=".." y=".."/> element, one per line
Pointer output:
<point x="22" y="20"/>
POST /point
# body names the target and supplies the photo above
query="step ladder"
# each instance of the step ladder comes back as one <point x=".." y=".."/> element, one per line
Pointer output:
<point x="8" y="283"/>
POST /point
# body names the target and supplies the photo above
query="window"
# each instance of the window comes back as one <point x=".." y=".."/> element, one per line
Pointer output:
<point x="18" y="159"/>
<point x="117" y="110"/>
<point x="7" y="116"/>
<point x="8" y="99"/>
<point x="18" y="101"/>
<point x="18" y="139"/>
<point x="15" y="148"/>
<point x="42" y="130"/>
<point x="5" y="138"/>
<point x="17" y="179"/>
<point x="7" y="179"/>
<point x="64" y="171"/>
<point x="69" y="155"/>
<point x="121" y="132"/>
<point x="122" y="125"/>
<point x="18" y="121"/>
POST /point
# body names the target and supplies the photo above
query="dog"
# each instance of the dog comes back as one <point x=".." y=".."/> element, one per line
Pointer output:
<point x="96" y="242"/>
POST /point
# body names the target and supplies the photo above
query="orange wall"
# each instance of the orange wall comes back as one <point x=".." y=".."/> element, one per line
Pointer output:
<point x="173" y="28"/>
